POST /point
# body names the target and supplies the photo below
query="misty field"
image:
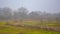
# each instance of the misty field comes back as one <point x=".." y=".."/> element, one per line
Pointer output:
<point x="29" y="16"/>
<point x="14" y="29"/>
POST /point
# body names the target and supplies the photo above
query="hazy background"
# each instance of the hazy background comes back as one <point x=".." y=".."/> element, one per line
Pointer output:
<point x="52" y="6"/>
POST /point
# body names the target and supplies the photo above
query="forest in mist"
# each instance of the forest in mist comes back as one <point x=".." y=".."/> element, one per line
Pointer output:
<point x="23" y="13"/>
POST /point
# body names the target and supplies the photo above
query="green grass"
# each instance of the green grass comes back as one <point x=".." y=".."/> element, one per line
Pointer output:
<point x="20" y="30"/>
<point x="17" y="30"/>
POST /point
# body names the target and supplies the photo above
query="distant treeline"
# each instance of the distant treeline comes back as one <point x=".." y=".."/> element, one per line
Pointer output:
<point x="22" y="13"/>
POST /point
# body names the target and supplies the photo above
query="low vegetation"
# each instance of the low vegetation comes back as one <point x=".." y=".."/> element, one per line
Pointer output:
<point x="26" y="29"/>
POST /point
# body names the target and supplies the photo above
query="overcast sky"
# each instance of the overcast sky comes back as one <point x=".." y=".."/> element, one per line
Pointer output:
<point x="33" y="5"/>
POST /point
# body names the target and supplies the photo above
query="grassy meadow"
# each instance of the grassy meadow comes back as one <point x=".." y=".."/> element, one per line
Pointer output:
<point x="8" y="29"/>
